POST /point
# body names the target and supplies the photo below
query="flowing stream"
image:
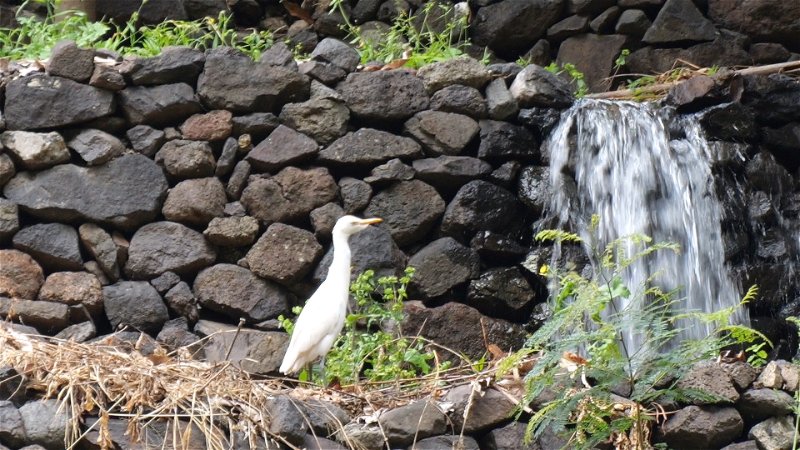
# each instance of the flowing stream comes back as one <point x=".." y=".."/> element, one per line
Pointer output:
<point x="617" y="160"/>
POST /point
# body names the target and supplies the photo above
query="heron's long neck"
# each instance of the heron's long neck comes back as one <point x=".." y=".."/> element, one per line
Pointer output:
<point x="340" y="266"/>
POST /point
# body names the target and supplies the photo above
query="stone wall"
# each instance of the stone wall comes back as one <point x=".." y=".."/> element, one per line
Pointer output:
<point x="179" y="194"/>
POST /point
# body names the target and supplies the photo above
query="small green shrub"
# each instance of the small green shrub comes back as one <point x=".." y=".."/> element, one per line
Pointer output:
<point x="578" y="79"/>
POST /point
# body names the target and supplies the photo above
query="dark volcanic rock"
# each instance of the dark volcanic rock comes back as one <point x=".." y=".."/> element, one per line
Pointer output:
<point x="9" y="219"/>
<point x="368" y="147"/>
<point x="337" y="53"/>
<point x="678" y="21"/>
<point x="479" y="205"/>
<point x="196" y="201"/>
<point x="503" y="141"/>
<point x="135" y="303"/>
<point x="501" y="104"/>
<point x="711" y="378"/>
<point x="258" y="125"/>
<point x="510" y="27"/>
<point x="355" y="194"/>
<point x="464" y="71"/>
<point x="287" y="419"/>
<point x="441" y="133"/>
<point x="498" y="248"/>
<point x="728" y="49"/>
<point x="290" y="195"/>
<point x="486" y="411"/>
<point x="124" y="193"/>
<point x="187" y="159"/>
<point x="172" y="65"/>
<point x="282" y="148"/>
<point x="284" y="254"/>
<point x="69" y="61"/>
<point x="407" y="218"/>
<point x="502" y="292"/>
<point x="95" y="146"/>
<point x="167" y="246"/>
<point x="253" y="351"/>
<point x="535" y="86"/>
<point x="534" y="188"/>
<point x="40" y="101"/>
<point x="390" y="172"/>
<point x="411" y="422"/>
<point x="324" y="119"/>
<point x="238" y="292"/>
<point x="460" y="100"/>
<point x="729" y="122"/>
<point x="756" y="405"/>
<point x="446" y="325"/>
<point x="450" y="172"/>
<point x="232" y="81"/>
<point x="373" y="249"/>
<point x="102" y="248"/>
<point x="232" y="231"/>
<point x="158" y="105"/>
<point x="441" y="266"/>
<point x="384" y="95"/>
<point x="509" y="437"/>
<point x="775" y="97"/>
<point x="766" y="20"/>
<point x="701" y="427"/>
<point x="594" y="56"/>
<point x="54" y="245"/>
<point x="145" y="139"/>
<point x="45" y="423"/>
<point x="567" y="27"/>
<point x="633" y="22"/>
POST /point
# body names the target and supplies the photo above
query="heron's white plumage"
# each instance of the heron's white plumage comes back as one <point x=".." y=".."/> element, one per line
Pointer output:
<point x="323" y="315"/>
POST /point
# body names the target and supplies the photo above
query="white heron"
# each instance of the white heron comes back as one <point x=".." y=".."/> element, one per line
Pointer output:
<point x="323" y="315"/>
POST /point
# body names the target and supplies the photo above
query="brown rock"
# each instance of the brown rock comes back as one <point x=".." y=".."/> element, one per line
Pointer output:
<point x="20" y="275"/>
<point x="290" y="195"/>
<point x="74" y="288"/>
<point x="211" y="126"/>
<point x="284" y="253"/>
<point x="195" y="201"/>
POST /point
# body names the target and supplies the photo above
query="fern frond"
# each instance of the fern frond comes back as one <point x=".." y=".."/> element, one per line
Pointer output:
<point x="557" y="236"/>
<point x="751" y="295"/>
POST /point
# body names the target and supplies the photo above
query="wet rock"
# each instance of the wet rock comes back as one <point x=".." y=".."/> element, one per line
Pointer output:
<point x="74" y="288"/>
<point x="45" y="423"/>
<point x="96" y="147"/>
<point x="54" y="245"/>
<point x="210" y="126"/>
<point x="509" y="437"/>
<point x="41" y="101"/>
<point x="407" y="219"/>
<point x="337" y="53"/>
<point x="442" y="265"/>
<point x="503" y="293"/>
<point x="383" y="95"/>
<point x="368" y="147"/>
<point x="460" y="99"/>
<point x="158" y="105"/>
<point x="450" y="172"/>
<point x="701" y="427"/>
<point x="35" y="151"/>
<point x="238" y="292"/>
<point x="323" y="119"/>
<point x="498" y="248"/>
<point x="253" y="351"/>
<point x="373" y="249"/>
<point x="503" y="141"/>
<point x="232" y="81"/>
<point x="479" y="205"/>
<point x="284" y="254"/>
<point x="135" y="303"/>
<point x="68" y="61"/>
<point x="232" y="231"/>
<point x="596" y="61"/>
<point x="534" y="188"/>
<point x="499" y="101"/>
<point x="355" y="194"/>
<point x="727" y="49"/>
<point x="47" y="317"/>
<point x="283" y="147"/>
<point x="774" y="97"/>
<point x="167" y="246"/>
<point x="196" y="201"/>
<point x="80" y="332"/>
<point x="145" y="139"/>
<point x="756" y="405"/>
<point x="769" y="53"/>
<point x="679" y="21"/>
<point x="290" y="195"/>
<point x="567" y="27"/>
<point x="442" y="133"/>
<point x="20" y="275"/>
<point x="529" y="18"/>
<point x="9" y="219"/>
<point x="711" y="378"/>
<point x="774" y="433"/>
<point x="124" y="193"/>
<point x="181" y="301"/>
<point x="12" y="430"/>
<point x="7" y="169"/>
<point x="729" y="122"/>
<point x="487" y="409"/>
<point x="186" y="159"/>
<point x="172" y="65"/>
<point x="783" y="142"/>
<point x="464" y="71"/>
<point x="765" y="174"/>
<point x="411" y="422"/>
<point x="257" y="124"/>
<point x="772" y="20"/>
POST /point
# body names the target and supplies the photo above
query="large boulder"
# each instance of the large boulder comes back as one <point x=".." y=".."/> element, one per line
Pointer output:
<point x="124" y="193"/>
<point x="510" y="27"/>
<point x="765" y="20"/>
<point x="135" y="303"/>
<point x="284" y="254"/>
<point x="594" y="56"/>
<point x="441" y="133"/>
<point x="479" y="205"/>
<point x="237" y="292"/>
<point x="283" y="147"/>
<point x="172" y="65"/>
<point x="196" y="201"/>
<point x="368" y="147"/>
<point x="372" y="249"/>
<point x="159" y="247"/>
<point x="54" y="245"/>
<point x="384" y="95"/>
<point x="407" y="218"/>
<point x="289" y="195"/>
<point x="158" y="105"/>
<point x="701" y="427"/>
<point x="679" y="21"/>
<point x="41" y="101"/>
<point x="441" y="266"/>
<point x="35" y="151"/>
<point x="20" y="275"/>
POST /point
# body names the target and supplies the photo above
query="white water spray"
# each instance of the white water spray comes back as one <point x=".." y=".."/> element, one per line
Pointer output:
<point x="629" y="172"/>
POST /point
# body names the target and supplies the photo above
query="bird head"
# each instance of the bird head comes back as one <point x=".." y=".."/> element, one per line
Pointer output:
<point x="349" y="225"/>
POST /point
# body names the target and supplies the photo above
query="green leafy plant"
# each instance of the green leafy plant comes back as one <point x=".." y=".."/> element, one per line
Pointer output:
<point x="622" y="59"/>
<point x="577" y="77"/>
<point x="583" y="361"/>
<point x="372" y="343"/>
<point x="796" y="406"/>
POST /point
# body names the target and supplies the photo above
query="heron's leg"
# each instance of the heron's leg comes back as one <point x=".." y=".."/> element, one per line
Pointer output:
<point x="322" y="370"/>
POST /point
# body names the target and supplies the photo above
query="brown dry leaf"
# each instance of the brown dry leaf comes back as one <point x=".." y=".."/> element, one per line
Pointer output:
<point x="497" y="352"/>
<point x="297" y="11"/>
<point x="395" y="64"/>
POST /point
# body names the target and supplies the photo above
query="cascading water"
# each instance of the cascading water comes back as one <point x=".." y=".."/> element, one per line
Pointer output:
<point x="624" y="167"/>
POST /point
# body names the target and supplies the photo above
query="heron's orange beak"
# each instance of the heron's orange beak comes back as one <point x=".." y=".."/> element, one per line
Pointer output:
<point x="371" y="221"/>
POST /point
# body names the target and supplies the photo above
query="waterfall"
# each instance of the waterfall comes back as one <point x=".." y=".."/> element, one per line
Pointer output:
<point x="617" y="160"/>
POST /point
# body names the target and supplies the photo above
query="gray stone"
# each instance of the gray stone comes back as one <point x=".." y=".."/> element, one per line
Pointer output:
<point x="534" y="189"/>
<point x="441" y="266"/>
<point x="80" y="332"/>
<point x="45" y="424"/>
<point x="290" y="195"/>
<point x="9" y="219"/>
<point x="196" y="201"/>
<point x="286" y="419"/>
<point x="447" y="441"/>
<point x="373" y="249"/>
<point x="710" y="378"/>
<point x="500" y="102"/>
<point x="284" y="254"/>
<point x="488" y="408"/>
<point x="232" y="81"/>
<point x="355" y="194"/>
<point x="390" y="172"/>
<point x="742" y="374"/>
<point x="414" y="421"/>
<point x="535" y="86"/>
<point x="756" y="405"/>
<point x="187" y="159"/>
<point x="746" y="445"/>
<point x="502" y="292"/>
<point x="368" y="147"/>
<point x="323" y="119"/>
<point x="35" y="151"/>
<point x="366" y="436"/>
<point x="324" y="218"/>
<point x="678" y="21"/>
<point x="135" y="303"/>
<point x="322" y="72"/>
<point x="238" y="180"/>
<point x="463" y="70"/>
<point x="12" y="430"/>
<point x="594" y="56"/>
<point x="771" y="21"/>
<point x="513" y="26"/>
<point x="441" y="133"/>
<point x="568" y="27"/>
<point x="407" y="218"/>
<point x="479" y="205"/>
<point x="107" y="78"/>
<point x="171" y="65"/>
<point x="145" y="139"/>
<point x="46" y="317"/>
<point x="68" y="61"/>
<point x="337" y="53"/>
<point x="605" y="21"/>
<point x="633" y="22"/>
<point x="158" y="105"/>
<point x="159" y="247"/>
<point x="41" y="101"/>
<point x="504" y="141"/>
<point x="232" y="231"/>
<point x="95" y="146"/>
<point x="7" y="169"/>
<point x="54" y="245"/>
<point x="283" y="147"/>
<point x="389" y="95"/>
<point x="701" y="427"/>
<point x="253" y="351"/>
<point x="460" y="100"/>
<point x="775" y="433"/>
<point x="20" y="275"/>
<point x="102" y="248"/>
<point x="728" y="49"/>
<point x="181" y="301"/>
<point x="324" y="418"/>
<point x="257" y="124"/>
<point x="238" y="292"/>
<point x="227" y="159"/>
<point x="450" y="172"/>
<point x="509" y="437"/>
